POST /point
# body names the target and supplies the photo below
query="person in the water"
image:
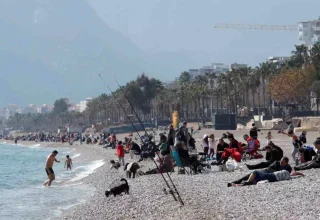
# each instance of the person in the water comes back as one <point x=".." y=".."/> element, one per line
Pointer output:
<point x="49" y="164"/>
<point x="68" y="163"/>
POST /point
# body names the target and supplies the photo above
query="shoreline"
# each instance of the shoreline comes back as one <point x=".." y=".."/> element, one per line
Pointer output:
<point x="206" y="196"/>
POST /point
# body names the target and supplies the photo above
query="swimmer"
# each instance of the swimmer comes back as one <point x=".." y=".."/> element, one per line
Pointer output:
<point x="49" y="164"/>
<point x="68" y="163"/>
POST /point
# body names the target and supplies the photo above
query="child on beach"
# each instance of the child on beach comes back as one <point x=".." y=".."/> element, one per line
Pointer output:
<point x="120" y="153"/>
<point x="295" y="142"/>
<point x="205" y="144"/>
<point x="114" y="164"/>
<point x="68" y="162"/>
<point x="269" y="137"/>
<point x="212" y="145"/>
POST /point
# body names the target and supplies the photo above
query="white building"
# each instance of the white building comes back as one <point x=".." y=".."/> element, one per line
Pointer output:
<point x="32" y="109"/>
<point x="309" y="32"/>
<point x="193" y="73"/>
<point x="277" y="60"/>
<point x="43" y="109"/>
<point x="220" y="68"/>
<point x="83" y="104"/>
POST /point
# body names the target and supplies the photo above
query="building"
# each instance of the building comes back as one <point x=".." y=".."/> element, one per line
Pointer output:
<point x="193" y="73"/>
<point x="309" y="32"/>
<point x="74" y="107"/>
<point x="237" y="66"/>
<point x="32" y="109"/>
<point x="220" y="68"/>
<point x="83" y="104"/>
<point x="43" y="109"/>
<point x="206" y="69"/>
<point x="278" y="60"/>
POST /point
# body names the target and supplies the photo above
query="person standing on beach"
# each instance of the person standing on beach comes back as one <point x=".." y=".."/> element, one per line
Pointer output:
<point x="68" y="162"/>
<point x="49" y="164"/>
<point x="120" y="153"/>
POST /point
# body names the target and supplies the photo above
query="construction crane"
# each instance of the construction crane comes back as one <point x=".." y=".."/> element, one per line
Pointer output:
<point x="259" y="27"/>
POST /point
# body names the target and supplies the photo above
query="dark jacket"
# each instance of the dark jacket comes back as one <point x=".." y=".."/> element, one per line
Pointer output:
<point x="254" y="132"/>
<point x="275" y="166"/>
<point x="303" y="138"/>
<point x="273" y="155"/>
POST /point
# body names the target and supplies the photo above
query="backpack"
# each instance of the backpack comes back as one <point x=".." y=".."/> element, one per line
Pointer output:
<point x="180" y="135"/>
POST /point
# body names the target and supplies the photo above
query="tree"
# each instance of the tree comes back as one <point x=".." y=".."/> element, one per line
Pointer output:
<point x="60" y="106"/>
<point x="293" y="86"/>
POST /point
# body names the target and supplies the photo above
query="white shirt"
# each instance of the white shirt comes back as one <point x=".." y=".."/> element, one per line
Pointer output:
<point x="212" y="143"/>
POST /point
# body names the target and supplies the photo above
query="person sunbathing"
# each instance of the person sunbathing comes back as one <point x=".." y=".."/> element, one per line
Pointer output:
<point x="315" y="162"/>
<point x="274" y="167"/>
<point x="258" y="176"/>
<point x="274" y="153"/>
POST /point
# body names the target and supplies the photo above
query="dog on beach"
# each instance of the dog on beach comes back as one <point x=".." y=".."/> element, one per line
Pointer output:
<point x="118" y="189"/>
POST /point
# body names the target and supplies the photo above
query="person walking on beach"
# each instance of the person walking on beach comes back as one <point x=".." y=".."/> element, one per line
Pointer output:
<point x="49" y="164"/>
<point x="68" y="162"/>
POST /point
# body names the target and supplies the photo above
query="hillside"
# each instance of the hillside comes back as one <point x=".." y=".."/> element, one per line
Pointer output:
<point x="59" y="45"/>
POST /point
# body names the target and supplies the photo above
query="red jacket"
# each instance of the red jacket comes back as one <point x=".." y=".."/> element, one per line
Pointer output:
<point x="120" y="150"/>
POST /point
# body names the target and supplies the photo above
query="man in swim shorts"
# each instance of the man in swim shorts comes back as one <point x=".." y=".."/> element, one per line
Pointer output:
<point x="49" y="164"/>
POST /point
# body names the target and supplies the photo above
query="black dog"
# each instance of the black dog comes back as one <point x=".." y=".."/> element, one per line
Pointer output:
<point x="118" y="189"/>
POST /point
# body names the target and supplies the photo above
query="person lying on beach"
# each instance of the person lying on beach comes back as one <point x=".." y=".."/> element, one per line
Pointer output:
<point x="258" y="176"/>
<point x="315" y="162"/>
<point x="114" y="164"/>
<point x="49" y="164"/>
<point x="274" y="153"/>
<point x="274" y="167"/>
<point x="68" y="162"/>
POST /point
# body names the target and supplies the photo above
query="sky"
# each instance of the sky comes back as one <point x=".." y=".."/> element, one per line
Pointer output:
<point x="187" y="26"/>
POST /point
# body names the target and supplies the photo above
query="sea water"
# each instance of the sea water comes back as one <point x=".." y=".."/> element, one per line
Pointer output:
<point x="22" y="174"/>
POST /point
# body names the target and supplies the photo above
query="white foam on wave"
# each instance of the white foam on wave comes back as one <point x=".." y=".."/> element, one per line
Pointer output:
<point x="75" y="156"/>
<point x="89" y="169"/>
<point x="34" y="146"/>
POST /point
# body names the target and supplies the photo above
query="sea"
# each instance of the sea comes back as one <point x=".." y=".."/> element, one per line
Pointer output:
<point x="22" y="174"/>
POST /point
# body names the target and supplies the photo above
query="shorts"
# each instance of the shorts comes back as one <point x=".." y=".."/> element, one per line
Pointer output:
<point x="49" y="171"/>
<point x="260" y="176"/>
<point x="69" y="166"/>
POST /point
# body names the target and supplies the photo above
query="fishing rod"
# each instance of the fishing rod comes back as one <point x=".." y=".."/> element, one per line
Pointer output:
<point x="143" y="141"/>
<point x="134" y="111"/>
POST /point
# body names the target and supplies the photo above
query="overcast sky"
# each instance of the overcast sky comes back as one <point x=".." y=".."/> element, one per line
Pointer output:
<point x="188" y="26"/>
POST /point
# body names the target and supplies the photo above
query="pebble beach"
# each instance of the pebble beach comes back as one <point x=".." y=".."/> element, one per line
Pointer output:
<point x="206" y="195"/>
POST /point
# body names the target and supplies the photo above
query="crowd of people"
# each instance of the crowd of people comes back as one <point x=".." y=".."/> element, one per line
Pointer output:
<point x="177" y="148"/>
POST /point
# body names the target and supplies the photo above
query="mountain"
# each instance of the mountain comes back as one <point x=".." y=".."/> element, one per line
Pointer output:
<point x="53" y="48"/>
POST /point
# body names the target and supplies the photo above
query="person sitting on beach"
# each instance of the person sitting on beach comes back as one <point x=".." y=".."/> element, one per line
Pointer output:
<point x="315" y="162"/>
<point x="220" y="148"/>
<point x="114" y="164"/>
<point x="251" y="145"/>
<point x="257" y="176"/>
<point x="303" y="137"/>
<point x="68" y="162"/>
<point x="275" y="166"/>
<point x="233" y="143"/>
<point x="164" y="148"/>
<point x="49" y="164"/>
<point x="274" y="153"/>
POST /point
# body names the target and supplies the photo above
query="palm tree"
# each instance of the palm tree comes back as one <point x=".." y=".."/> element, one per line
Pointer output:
<point x="211" y="77"/>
